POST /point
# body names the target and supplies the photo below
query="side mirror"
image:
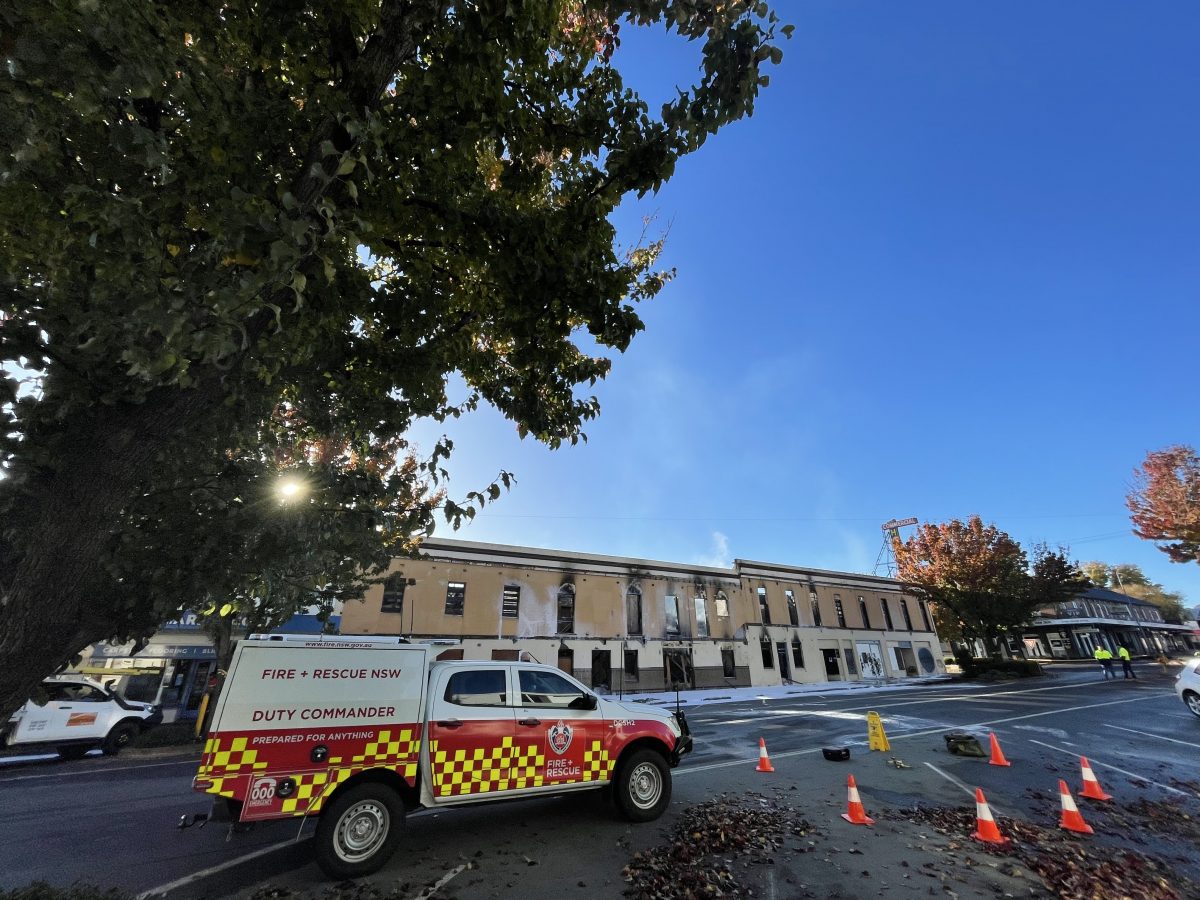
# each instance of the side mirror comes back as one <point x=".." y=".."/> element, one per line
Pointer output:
<point x="584" y="701"/>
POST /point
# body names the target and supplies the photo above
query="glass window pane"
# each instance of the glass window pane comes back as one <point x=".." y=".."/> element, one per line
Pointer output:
<point x="477" y="687"/>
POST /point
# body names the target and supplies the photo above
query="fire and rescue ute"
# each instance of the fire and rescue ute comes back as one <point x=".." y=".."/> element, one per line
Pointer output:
<point x="357" y="731"/>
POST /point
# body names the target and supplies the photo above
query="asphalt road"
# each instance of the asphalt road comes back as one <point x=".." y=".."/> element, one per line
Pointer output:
<point x="111" y="821"/>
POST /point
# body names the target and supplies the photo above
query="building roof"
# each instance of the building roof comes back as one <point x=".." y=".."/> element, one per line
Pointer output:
<point x="1107" y="596"/>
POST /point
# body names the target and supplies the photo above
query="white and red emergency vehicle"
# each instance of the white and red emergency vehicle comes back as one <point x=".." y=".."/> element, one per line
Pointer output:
<point x="357" y="731"/>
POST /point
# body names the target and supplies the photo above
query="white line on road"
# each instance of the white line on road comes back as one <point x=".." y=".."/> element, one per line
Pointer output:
<point x="1153" y="735"/>
<point x="434" y="888"/>
<point x="909" y="734"/>
<point x="101" y="770"/>
<point x="961" y="784"/>
<point x="204" y="873"/>
<point x="1093" y="762"/>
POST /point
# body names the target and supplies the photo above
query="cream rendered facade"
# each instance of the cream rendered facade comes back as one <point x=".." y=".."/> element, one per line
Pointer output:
<point x="628" y="625"/>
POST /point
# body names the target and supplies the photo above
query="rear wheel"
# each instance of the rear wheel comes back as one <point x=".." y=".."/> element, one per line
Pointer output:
<point x="73" y="751"/>
<point x="358" y="831"/>
<point x="119" y="738"/>
<point x="1193" y="702"/>
<point x="642" y="788"/>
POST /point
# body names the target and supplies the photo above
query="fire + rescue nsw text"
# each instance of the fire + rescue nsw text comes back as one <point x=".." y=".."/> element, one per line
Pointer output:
<point x="329" y="674"/>
<point x="314" y="714"/>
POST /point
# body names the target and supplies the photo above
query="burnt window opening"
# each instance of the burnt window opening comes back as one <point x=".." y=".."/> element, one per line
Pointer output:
<point x="510" y="602"/>
<point x="862" y="609"/>
<point x="456" y="597"/>
<point x="907" y="616"/>
<point x="797" y="654"/>
<point x="793" y="613"/>
<point x="631" y="664"/>
<point x="393" y="593"/>
<point x="816" y="607"/>
<point x="925" y="615"/>
<point x="633" y="610"/>
<point x="728" y="664"/>
<point x="838" y="608"/>
<point x="701" y="616"/>
<point x="671" y="614"/>
<point x="768" y="653"/>
<point x="887" y="613"/>
<point x="566" y="609"/>
<point x="764" y="609"/>
<point x="721" y="602"/>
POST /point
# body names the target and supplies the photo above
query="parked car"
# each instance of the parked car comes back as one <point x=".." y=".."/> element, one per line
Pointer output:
<point x="77" y="715"/>
<point x="1187" y="685"/>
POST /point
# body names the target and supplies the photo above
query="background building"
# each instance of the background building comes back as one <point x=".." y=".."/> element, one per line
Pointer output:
<point x="1098" y="616"/>
<point x="622" y="624"/>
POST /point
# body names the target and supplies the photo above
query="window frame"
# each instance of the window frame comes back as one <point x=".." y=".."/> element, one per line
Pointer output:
<point x="504" y="604"/>
<point x="396" y="579"/>
<point x="461" y="598"/>
<point x="863" y="611"/>
<point x="728" y="663"/>
<point x="907" y="614"/>
<point x="797" y="653"/>
<point x="764" y="605"/>
<point x="700" y="609"/>
<point x="840" y="610"/>
<point x="767" y="646"/>
<point x="793" y="610"/>
<point x="669" y="601"/>
<point x="503" y="673"/>
<point x="565" y="590"/>
<point x="887" y="614"/>
<point x="814" y="603"/>
<point x="633" y="605"/>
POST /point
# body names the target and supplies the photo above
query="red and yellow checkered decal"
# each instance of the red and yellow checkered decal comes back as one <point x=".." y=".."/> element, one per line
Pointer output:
<point x="240" y="773"/>
<point x="480" y="770"/>
<point x="597" y="764"/>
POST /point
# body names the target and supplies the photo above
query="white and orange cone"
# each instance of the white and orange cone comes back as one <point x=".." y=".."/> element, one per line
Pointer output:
<point x="855" y="814"/>
<point x="986" y="829"/>
<point x="997" y="754"/>
<point x="764" y="761"/>
<point x="1071" y="819"/>
<point x="1091" y="786"/>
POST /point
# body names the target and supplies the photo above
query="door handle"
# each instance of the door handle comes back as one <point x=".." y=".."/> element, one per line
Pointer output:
<point x="449" y="723"/>
<point x="529" y="721"/>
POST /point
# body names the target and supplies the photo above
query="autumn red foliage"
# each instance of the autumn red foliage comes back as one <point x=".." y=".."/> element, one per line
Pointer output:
<point x="1165" y="502"/>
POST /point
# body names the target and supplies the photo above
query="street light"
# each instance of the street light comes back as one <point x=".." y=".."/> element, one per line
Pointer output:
<point x="290" y="489"/>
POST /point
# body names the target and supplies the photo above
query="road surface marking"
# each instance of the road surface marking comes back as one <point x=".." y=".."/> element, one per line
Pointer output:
<point x="434" y="888"/>
<point x="212" y="870"/>
<point x="1093" y="761"/>
<point x="900" y="735"/>
<point x="961" y="784"/>
<point x="1153" y="735"/>
<point x="102" y="771"/>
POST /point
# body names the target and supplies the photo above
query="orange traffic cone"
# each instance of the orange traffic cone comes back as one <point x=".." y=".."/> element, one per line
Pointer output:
<point x="855" y="814"/>
<point x="986" y="829"/>
<point x="997" y="754"/>
<point x="764" y="761"/>
<point x="1071" y="819"/>
<point x="1091" y="786"/>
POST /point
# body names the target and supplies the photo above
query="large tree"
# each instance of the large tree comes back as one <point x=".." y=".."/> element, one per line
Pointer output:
<point x="978" y="581"/>
<point x="209" y="210"/>
<point x="1164" y="502"/>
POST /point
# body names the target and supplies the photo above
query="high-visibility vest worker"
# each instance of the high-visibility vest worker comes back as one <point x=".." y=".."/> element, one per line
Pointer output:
<point x="1102" y="654"/>
<point x="1123" y="653"/>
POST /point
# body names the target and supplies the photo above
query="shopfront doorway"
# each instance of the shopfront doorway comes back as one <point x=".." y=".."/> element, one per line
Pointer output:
<point x="833" y="668"/>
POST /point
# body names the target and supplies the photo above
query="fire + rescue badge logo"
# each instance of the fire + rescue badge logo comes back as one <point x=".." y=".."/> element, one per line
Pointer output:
<point x="559" y="737"/>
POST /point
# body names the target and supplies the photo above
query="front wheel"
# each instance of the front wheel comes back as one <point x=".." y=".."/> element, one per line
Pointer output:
<point x="643" y="786"/>
<point x="1193" y="702"/>
<point x="119" y="738"/>
<point x="358" y="831"/>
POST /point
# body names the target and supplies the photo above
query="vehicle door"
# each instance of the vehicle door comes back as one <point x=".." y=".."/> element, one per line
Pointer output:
<point x="83" y="712"/>
<point x="471" y="716"/>
<point x="559" y="717"/>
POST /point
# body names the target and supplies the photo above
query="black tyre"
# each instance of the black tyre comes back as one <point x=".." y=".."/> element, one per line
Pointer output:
<point x="359" y="830"/>
<point x="642" y="788"/>
<point x="1192" y="700"/>
<point x="120" y="737"/>
<point x="73" y="751"/>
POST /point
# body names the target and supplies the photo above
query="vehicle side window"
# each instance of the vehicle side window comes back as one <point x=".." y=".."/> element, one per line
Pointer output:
<point x="82" y="693"/>
<point x="477" y="687"/>
<point x="547" y="689"/>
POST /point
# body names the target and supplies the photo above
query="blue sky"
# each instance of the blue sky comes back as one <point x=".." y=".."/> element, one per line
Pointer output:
<point x="949" y="267"/>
